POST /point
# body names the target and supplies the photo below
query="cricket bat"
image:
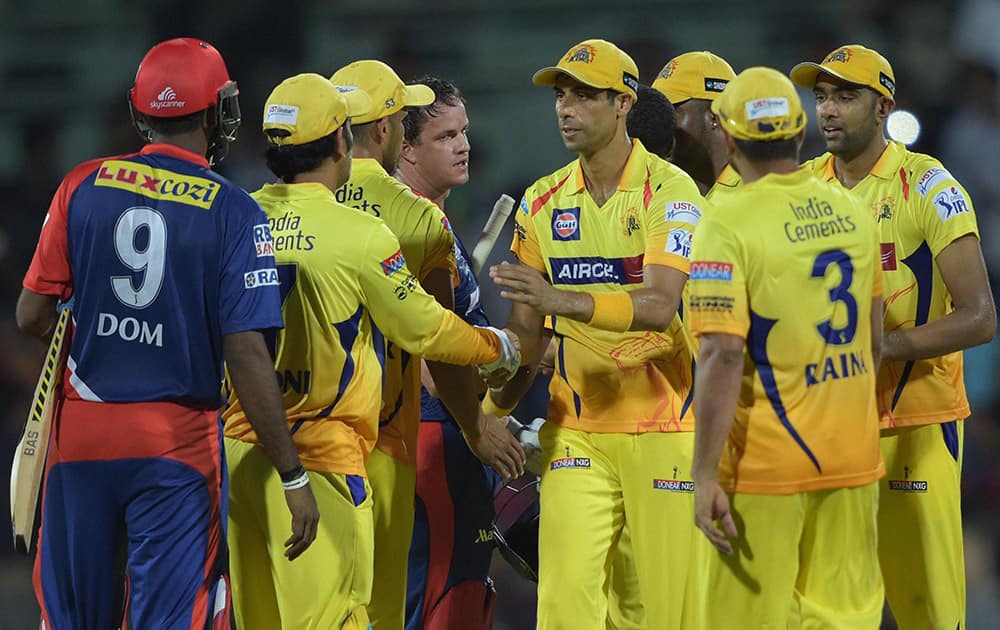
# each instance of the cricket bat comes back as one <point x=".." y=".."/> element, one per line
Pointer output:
<point x="29" y="459"/>
<point x="491" y="232"/>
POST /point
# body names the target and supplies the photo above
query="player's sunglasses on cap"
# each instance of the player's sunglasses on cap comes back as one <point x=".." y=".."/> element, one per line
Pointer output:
<point x="700" y="74"/>
<point x="184" y="76"/>
<point x="308" y="107"/>
<point x="387" y="91"/>
<point x="852" y="63"/>
<point x="760" y="105"/>
<point x="597" y="63"/>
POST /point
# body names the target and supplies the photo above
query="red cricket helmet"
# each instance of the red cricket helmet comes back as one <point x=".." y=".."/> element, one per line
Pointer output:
<point x="183" y="76"/>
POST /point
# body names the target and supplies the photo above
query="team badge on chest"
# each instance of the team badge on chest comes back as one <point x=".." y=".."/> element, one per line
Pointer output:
<point x="566" y="224"/>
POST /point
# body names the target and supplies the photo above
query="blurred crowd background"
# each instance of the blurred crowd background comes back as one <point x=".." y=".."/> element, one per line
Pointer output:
<point x="65" y="68"/>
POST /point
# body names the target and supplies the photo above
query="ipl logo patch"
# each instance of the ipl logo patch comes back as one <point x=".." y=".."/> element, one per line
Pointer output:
<point x="566" y="224"/>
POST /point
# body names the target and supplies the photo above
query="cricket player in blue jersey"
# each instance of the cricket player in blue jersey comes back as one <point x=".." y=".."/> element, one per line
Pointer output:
<point x="171" y="269"/>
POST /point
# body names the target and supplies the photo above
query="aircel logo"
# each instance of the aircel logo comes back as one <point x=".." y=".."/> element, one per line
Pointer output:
<point x="597" y="270"/>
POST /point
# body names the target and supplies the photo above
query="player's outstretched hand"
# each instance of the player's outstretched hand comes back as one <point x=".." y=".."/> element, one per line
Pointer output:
<point x="496" y="446"/>
<point x="498" y="372"/>
<point x="711" y="504"/>
<point x="528" y="286"/>
<point x="305" y="520"/>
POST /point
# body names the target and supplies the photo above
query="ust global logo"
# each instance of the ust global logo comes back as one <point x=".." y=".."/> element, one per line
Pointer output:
<point x="566" y="224"/>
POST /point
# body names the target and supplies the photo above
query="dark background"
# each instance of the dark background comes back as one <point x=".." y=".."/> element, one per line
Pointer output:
<point x="65" y="68"/>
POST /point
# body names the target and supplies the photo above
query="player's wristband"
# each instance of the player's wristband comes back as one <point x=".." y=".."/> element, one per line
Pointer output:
<point x="490" y="406"/>
<point x="292" y="474"/>
<point x="612" y="311"/>
<point x="300" y="481"/>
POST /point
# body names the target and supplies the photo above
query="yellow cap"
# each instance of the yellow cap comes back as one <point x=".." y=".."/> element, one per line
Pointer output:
<point x="389" y="93"/>
<point x="852" y="63"/>
<point x="701" y="75"/>
<point x="761" y="105"/>
<point x="309" y="107"/>
<point x="597" y="63"/>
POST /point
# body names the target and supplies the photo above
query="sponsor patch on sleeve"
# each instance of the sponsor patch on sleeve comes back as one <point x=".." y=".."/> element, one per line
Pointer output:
<point x="679" y="242"/>
<point x="683" y="211"/>
<point x="393" y="263"/>
<point x="262" y="240"/>
<point x="950" y="202"/>
<point x="712" y="303"/>
<point x="524" y="205"/>
<point x="261" y="278"/>
<point x="932" y="178"/>
<point x="446" y="224"/>
<point x="711" y="270"/>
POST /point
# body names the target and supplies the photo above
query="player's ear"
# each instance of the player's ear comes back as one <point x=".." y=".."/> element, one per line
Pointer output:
<point x="883" y="107"/>
<point x="624" y="103"/>
<point x="407" y="153"/>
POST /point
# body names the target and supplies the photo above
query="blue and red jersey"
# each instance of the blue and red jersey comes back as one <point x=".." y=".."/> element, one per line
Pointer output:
<point x="162" y="258"/>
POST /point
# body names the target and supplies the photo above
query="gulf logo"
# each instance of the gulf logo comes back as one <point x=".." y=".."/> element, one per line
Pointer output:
<point x="566" y="224"/>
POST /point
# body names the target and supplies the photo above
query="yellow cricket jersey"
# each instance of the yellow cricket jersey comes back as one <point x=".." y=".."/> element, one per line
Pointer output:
<point x="790" y="264"/>
<point x="727" y="180"/>
<point x="343" y="277"/>
<point x="427" y="242"/>
<point x="608" y="382"/>
<point x="921" y="209"/>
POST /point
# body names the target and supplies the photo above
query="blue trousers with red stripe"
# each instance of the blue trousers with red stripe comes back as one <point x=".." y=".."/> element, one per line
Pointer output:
<point x="448" y="585"/>
<point x="139" y="487"/>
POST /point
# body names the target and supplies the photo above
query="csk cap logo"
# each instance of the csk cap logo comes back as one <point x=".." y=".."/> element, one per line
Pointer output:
<point x="668" y="69"/>
<point x="842" y="55"/>
<point x="583" y="54"/>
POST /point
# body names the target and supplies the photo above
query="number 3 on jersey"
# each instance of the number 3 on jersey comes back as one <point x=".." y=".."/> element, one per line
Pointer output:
<point x="840" y="293"/>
